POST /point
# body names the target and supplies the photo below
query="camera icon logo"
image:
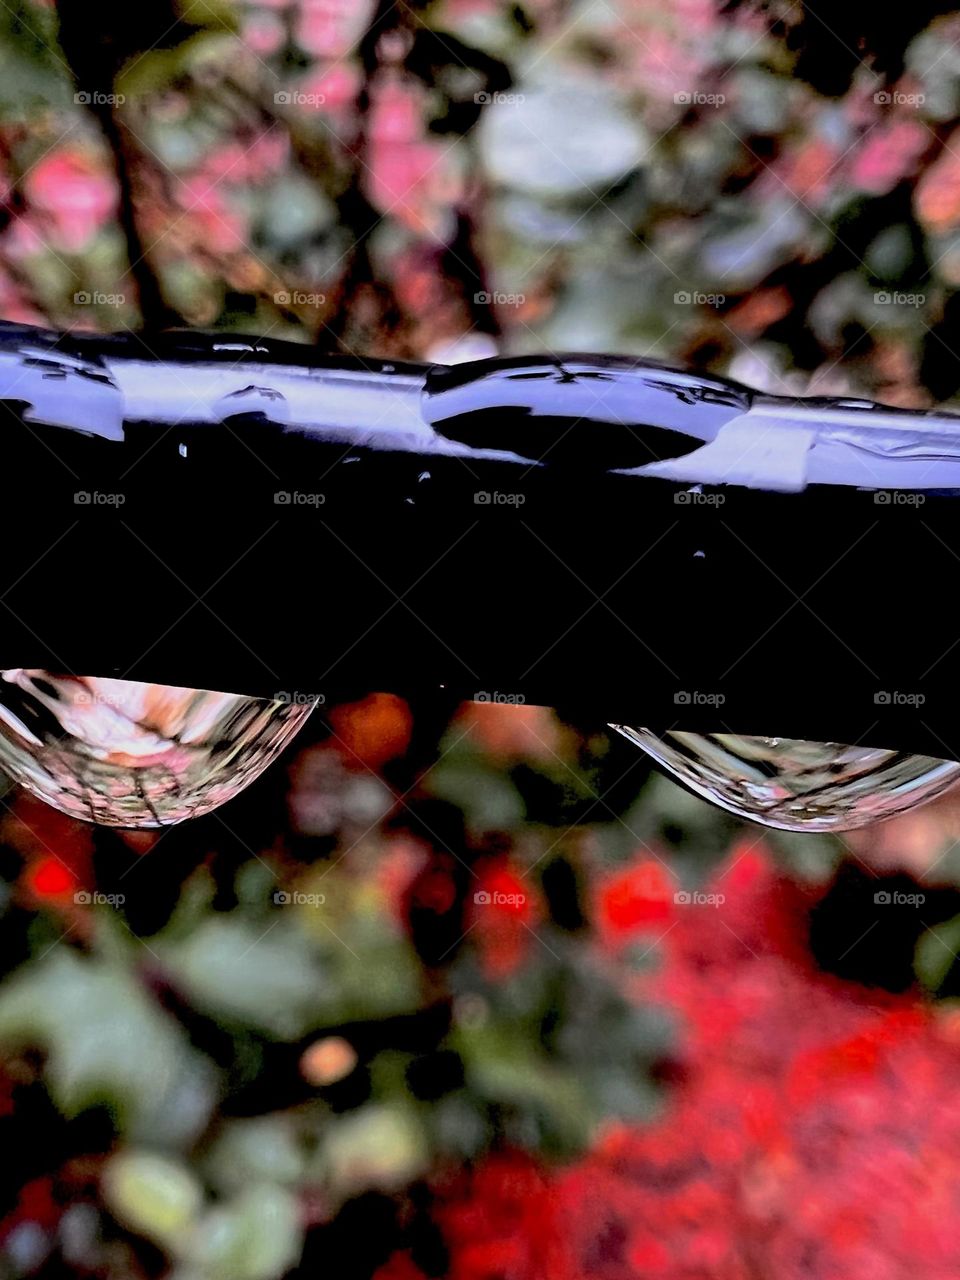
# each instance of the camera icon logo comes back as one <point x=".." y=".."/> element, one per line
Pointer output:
<point x="683" y="99"/>
<point x="682" y="898"/>
<point x="882" y="698"/>
<point x="683" y="298"/>
<point x="882" y="898"/>
<point x="883" y="98"/>
<point x="82" y="99"/>
<point x="282" y="898"/>
<point x="283" y="97"/>
<point x="482" y="898"/>
<point x="82" y="498"/>
<point x="282" y="498"/>
<point x="483" y="98"/>
<point x="82" y="298"/>
<point x="681" y="698"/>
<point x="82" y="898"/>
<point x="482" y="498"/>
<point x="282" y="299"/>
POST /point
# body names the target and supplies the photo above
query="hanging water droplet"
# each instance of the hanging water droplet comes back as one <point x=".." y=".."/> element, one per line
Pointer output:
<point x="794" y="784"/>
<point x="129" y="754"/>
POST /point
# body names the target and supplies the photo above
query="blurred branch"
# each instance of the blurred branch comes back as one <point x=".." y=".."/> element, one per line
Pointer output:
<point x="355" y="209"/>
<point x="97" y="41"/>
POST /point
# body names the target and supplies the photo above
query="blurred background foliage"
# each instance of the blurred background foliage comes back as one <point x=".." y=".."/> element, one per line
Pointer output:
<point x="439" y="996"/>
<point x="762" y="189"/>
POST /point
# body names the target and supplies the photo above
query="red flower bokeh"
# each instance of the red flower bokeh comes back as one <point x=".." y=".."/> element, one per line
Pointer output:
<point x="812" y="1128"/>
<point x="503" y="915"/>
<point x="639" y="898"/>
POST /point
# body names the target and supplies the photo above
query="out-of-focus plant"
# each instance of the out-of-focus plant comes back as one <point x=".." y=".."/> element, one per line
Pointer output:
<point x="465" y="991"/>
<point x="479" y="998"/>
<point x="245" y="1025"/>
<point x="733" y="187"/>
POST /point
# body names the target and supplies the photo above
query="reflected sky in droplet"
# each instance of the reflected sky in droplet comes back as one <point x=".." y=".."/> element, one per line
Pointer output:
<point x="794" y="784"/>
<point x="124" y="753"/>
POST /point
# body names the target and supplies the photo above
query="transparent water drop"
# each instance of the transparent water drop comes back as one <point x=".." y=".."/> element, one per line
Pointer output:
<point x="794" y="784"/>
<point x="128" y="754"/>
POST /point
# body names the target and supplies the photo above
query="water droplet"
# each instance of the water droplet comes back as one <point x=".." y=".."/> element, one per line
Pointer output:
<point x="794" y="784"/>
<point x="129" y="754"/>
<point x="582" y="412"/>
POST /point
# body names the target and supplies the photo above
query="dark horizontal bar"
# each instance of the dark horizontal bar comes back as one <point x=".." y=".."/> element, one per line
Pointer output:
<point x="235" y="514"/>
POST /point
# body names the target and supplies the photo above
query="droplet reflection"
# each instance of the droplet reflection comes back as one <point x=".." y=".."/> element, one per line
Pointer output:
<point x="129" y="754"/>
<point x="794" y="784"/>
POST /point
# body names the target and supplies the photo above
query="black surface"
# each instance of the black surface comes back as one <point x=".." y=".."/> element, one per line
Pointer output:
<point x="823" y="614"/>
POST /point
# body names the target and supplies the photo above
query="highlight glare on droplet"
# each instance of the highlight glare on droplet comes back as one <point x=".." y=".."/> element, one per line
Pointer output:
<point x="128" y="754"/>
<point x="794" y="784"/>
